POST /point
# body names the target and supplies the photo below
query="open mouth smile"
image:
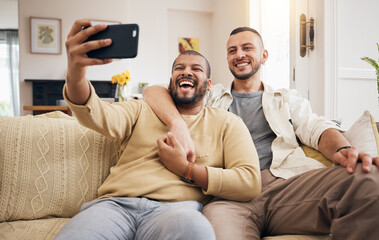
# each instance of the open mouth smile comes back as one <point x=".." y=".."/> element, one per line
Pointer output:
<point x="186" y="83"/>
<point x="241" y="64"/>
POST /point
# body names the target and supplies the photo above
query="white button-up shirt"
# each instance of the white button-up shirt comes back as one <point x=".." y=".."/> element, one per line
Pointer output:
<point x="291" y="118"/>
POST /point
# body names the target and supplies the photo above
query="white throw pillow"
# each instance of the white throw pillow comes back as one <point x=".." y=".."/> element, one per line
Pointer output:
<point x="363" y="135"/>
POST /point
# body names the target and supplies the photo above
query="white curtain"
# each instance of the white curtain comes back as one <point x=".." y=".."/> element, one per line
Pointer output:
<point x="10" y="71"/>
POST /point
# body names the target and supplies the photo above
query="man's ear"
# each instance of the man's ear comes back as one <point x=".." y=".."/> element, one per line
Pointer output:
<point x="169" y="84"/>
<point x="209" y="84"/>
<point x="264" y="56"/>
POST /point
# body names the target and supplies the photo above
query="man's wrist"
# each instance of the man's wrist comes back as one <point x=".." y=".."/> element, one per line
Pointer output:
<point x="188" y="174"/>
<point x="178" y="123"/>
<point x="344" y="147"/>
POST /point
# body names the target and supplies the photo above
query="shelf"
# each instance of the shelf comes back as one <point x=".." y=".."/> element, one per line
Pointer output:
<point x="44" y="109"/>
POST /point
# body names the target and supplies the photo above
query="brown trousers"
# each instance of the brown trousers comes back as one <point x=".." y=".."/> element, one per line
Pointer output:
<point x="321" y="201"/>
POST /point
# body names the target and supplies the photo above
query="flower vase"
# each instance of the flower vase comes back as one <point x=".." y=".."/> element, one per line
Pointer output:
<point x="121" y="94"/>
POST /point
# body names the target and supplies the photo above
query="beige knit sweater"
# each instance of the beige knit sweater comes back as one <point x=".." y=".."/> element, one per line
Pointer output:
<point x="221" y="139"/>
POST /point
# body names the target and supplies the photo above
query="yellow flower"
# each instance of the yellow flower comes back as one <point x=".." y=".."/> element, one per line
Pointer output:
<point x="114" y="79"/>
<point x="121" y="79"/>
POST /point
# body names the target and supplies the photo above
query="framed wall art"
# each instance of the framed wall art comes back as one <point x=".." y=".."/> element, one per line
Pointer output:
<point x="46" y="35"/>
<point x="185" y="44"/>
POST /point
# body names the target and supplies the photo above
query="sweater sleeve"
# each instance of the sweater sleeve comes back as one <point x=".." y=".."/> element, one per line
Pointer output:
<point x="240" y="179"/>
<point x="111" y="120"/>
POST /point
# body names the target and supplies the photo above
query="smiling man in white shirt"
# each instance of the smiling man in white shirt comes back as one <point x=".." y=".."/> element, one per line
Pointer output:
<point x="299" y="195"/>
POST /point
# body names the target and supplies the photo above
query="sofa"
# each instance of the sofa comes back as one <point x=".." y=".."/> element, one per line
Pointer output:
<point x="50" y="165"/>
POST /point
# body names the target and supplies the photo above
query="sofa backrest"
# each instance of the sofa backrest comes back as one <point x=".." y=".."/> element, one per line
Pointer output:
<point x="50" y="165"/>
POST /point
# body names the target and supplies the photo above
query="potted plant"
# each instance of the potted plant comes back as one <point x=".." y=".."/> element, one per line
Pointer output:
<point x="375" y="64"/>
<point x="142" y="86"/>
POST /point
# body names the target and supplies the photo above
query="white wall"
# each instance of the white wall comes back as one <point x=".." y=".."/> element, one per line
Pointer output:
<point x="184" y="23"/>
<point x="356" y="85"/>
<point x="357" y="35"/>
<point x="8" y="14"/>
<point x="153" y="63"/>
<point x="227" y="16"/>
<point x="43" y="66"/>
<point x="211" y="20"/>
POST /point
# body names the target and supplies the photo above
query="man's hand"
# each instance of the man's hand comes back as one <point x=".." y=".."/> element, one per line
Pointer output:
<point x="181" y="132"/>
<point x="349" y="158"/>
<point x="77" y="86"/>
<point x="172" y="155"/>
<point x="157" y="97"/>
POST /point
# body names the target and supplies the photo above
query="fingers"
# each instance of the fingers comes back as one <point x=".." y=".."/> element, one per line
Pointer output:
<point x="77" y="27"/>
<point x="366" y="161"/>
<point x="82" y="29"/>
<point x="161" y="144"/>
<point x="191" y="157"/>
<point x="84" y="34"/>
<point x="375" y="160"/>
<point x="92" y="45"/>
<point x="352" y="159"/>
<point x="77" y="49"/>
<point x="351" y="156"/>
<point x="340" y="159"/>
<point x="175" y="143"/>
<point x="76" y="44"/>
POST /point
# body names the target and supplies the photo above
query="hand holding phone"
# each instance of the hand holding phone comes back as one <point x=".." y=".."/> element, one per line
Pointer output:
<point x="124" y="42"/>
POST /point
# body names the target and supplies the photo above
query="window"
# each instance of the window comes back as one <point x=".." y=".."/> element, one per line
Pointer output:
<point x="9" y="82"/>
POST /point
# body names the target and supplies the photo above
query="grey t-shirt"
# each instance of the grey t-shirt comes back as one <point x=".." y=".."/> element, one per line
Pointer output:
<point x="249" y="107"/>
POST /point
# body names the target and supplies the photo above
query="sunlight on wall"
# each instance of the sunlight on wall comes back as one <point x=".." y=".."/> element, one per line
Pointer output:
<point x="271" y="18"/>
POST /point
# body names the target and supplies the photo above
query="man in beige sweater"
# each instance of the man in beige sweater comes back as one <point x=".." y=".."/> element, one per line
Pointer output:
<point x="155" y="191"/>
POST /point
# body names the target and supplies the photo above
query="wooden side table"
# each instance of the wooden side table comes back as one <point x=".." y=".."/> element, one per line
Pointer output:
<point x="44" y="109"/>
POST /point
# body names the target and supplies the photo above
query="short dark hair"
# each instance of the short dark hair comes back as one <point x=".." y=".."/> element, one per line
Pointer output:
<point x="192" y="52"/>
<point x="243" y="29"/>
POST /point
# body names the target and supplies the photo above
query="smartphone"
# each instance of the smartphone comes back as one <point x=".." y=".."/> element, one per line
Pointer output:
<point x="124" y="42"/>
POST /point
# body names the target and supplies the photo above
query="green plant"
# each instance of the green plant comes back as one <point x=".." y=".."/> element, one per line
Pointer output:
<point x="142" y="84"/>
<point x="375" y="64"/>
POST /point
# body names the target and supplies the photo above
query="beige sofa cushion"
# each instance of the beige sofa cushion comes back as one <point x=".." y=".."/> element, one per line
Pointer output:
<point x="32" y="229"/>
<point x="50" y="165"/>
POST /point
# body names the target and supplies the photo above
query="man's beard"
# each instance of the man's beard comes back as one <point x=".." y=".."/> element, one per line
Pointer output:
<point x="199" y="94"/>
<point x="253" y="71"/>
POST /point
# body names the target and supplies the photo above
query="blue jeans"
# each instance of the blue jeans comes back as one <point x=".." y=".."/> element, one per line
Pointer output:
<point x="137" y="218"/>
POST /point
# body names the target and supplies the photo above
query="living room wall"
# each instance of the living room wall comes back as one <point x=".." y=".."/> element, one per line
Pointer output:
<point x="46" y="66"/>
<point x="357" y="36"/>
<point x="154" y="58"/>
<point x="8" y="14"/>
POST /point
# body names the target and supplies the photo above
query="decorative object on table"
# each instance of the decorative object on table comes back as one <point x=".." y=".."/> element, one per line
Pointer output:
<point x="122" y="81"/>
<point x="142" y="86"/>
<point x="375" y="64"/>
<point x="185" y="44"/>
<point x="45" y="35"/>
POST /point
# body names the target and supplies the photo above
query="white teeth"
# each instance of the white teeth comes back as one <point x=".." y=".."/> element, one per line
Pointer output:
<point x="242" y="64"/>
<point x="186" y="83"/>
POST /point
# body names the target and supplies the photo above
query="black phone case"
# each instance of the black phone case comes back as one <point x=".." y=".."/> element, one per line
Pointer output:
<point x="124" y="42"/>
